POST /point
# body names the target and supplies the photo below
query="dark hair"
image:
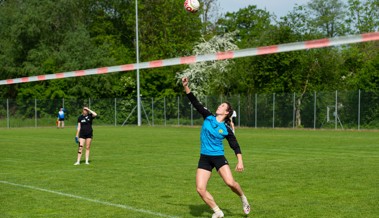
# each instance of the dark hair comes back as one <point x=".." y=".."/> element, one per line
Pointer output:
<point x="229" y="115"/>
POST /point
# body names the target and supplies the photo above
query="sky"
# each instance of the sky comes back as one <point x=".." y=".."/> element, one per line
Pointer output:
<point x="278" y="7"/>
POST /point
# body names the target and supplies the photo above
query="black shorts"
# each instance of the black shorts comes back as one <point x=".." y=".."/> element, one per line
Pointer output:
<point x="85" y="135"/>
<point x="61" y="119"/>
<point x="207" y="162"/>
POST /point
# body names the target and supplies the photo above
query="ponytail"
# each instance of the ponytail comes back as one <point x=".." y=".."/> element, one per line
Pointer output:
<point x="229" y="115"/>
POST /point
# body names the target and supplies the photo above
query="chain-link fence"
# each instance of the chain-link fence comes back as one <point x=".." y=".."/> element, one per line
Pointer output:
<point x="339" y="110"/>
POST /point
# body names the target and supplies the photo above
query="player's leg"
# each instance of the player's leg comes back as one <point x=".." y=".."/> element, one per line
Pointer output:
<point x="88" y="146"/>
<point x="202" y="178"/>
<point x="227" y="176"/>
<point x="62" y="123"/>
<point x="80" y="150"/>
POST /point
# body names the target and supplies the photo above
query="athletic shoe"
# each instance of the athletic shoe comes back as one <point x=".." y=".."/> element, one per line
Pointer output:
<point x="87" y="163"/>
<point x="76" y="163"/>
<point x="218" y="214"/>
<point x="246" y="208"/>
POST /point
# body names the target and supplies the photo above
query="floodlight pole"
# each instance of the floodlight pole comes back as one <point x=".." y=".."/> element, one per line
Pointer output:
<point x="137" y="61"/>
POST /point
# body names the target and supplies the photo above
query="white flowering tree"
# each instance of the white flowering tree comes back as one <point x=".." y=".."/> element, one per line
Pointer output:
<point x="204" y="76"/>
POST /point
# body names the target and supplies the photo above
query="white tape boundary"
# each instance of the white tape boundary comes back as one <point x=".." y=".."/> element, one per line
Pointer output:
<point x="91" y="200"/>
<point x="319" y="43"/>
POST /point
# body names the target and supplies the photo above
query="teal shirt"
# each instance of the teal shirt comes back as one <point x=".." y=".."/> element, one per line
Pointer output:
<point x="212" y="135"/>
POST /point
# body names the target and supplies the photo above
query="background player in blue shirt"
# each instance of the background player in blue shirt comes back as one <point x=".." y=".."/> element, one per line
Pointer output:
<point x="60" y="118"/>
<point x="214" y="130"/>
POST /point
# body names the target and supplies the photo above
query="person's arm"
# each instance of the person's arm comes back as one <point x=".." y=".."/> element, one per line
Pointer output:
<point x="233" y="143"/>
<point x="77" y="130"/>
<point x="94" y="114"/>
<point x="191" y="97"/>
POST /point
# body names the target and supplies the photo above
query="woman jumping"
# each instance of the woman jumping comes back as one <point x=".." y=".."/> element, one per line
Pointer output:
<point x="214" y="130"/>
<point x="84" y="132"/>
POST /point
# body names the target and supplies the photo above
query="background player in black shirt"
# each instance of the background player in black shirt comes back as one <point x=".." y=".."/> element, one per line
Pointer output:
<point x="84" y="132"/>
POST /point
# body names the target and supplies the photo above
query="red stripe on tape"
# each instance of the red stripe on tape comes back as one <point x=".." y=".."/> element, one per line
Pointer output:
<point x="153" y="64"/>
<point x="41" y="77"/>
<point x="25" y="79"/>
<point x="370" y="36"/>
<point x="80" y="73"/>
<point x="267" y="50"/>
<point x="127" y="67"/>
<point x="59" y="75"/>
<point x="224" y="55"/>
<point x="9" y="81"/>
<point x="188" y="60"/>
<point x="102" y="70"/>
<point x="317" y="43"/>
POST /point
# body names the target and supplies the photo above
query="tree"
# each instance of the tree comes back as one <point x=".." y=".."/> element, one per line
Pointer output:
<point x="327" y="17"/>
<point x="209" y="77"/>
<point x="363" y="16"/>
<point x="40" y="37"/>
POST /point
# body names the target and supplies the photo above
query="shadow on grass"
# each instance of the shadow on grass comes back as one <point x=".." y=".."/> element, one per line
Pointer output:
<point x="203" y="210"/>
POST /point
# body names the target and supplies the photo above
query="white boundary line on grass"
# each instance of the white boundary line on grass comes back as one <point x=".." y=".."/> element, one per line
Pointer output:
<point x="91" y="200"/>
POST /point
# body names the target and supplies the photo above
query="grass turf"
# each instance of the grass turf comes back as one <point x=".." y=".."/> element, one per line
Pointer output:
<point x="150" y="172"/>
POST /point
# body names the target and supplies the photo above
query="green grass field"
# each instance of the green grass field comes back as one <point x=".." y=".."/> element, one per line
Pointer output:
<point x="150" y="172"/>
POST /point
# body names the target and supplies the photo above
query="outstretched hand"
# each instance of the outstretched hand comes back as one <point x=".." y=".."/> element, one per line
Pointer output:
<point x="185" y="81"/>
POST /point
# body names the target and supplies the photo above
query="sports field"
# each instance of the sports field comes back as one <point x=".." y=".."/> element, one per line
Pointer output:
<point x="150" y="172"/>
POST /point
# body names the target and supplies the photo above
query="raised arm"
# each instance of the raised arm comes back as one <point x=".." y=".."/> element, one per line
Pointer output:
<point x="94" y="114"/>
<point x="199" y="107"/>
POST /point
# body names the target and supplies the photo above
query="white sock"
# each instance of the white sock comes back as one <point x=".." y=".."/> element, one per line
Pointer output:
<point x="244" y="199"/>
<point x="216" y="209"/>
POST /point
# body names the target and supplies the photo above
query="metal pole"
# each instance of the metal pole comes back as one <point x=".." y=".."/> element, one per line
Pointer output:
<point x="137" y="62"/>
<point x="35" y="112"/>
<point x="89" y="103"/>
<point x="115" y="111"/>
<point x="152" y="111"/>
<point x="256" y="107"/>
<point x="294" y="110"/>
<point x="239" y="110"/>
<point x="178" y="112"/>
<point x="8" y="126"/>
<point x="164" y="109"/>
<point x="359" y="109"/>
<point x="314" y="110"/>
<point x="63" y="102"/>
<point x="273" y="110"/>
<point x="336" y="112"/>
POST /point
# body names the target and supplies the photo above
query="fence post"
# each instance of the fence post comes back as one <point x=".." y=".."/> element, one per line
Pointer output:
<point x="35" y="112"/>
<point x="336" y="112"/>
<point x="239" y="110"/>
<point x="273" y="110"/>
<point x="359" y="109"/>
<point x="115" y="111"/>
<point x="164" y="109"/>
<point x="8" y="123"/>
<point x="256" y="109"/>
<point x="314" y="110"/>
<point x="152" y="112"/>
<point x="294" y="110"/>
<point x="178" y="112"/>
